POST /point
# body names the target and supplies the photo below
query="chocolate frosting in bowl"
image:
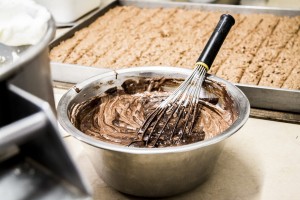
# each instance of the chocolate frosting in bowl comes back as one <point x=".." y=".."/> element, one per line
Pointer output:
<point x="116" y="115"/>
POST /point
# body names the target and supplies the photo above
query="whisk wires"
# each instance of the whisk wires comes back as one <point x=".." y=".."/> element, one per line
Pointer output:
<point x="175" y="117"/>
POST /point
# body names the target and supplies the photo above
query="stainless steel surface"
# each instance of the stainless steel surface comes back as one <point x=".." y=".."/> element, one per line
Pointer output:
<point x="172" y="170"/>
<point x="28" y="129"/>
<point x="260" y="97"/>
<point x="272" y="98"/>
<point x="74" y="73"/>
<point x="10" y="54"/>
<point x="32" y="133"/>
<point x="22" y="178"/>
<point x="213" y="7"/>
<point x="28" y="66"/>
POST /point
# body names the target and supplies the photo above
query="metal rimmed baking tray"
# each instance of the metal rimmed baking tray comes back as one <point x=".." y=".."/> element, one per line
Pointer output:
<point x="259" y="97"/>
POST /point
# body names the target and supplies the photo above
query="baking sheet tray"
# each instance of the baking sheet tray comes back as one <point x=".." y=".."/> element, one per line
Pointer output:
<point x="259" y="97"/>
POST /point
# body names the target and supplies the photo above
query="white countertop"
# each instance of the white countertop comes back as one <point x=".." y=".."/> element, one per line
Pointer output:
<point x="261" y="161"/>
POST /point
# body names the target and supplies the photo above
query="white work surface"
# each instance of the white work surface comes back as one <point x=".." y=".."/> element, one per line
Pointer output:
<point x="259" y="162"/>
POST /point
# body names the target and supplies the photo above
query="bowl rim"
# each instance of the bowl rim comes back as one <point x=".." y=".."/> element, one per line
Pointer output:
<point x="63" y="119"/>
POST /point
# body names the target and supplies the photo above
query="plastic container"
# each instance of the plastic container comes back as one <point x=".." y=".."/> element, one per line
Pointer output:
<point x="67" y="11"/>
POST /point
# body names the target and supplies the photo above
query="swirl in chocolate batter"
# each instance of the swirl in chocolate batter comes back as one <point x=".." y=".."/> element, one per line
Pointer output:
<point x="116" y="115"/>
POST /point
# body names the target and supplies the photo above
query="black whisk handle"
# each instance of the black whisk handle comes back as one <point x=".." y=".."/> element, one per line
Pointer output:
<point x="216" y="40"/>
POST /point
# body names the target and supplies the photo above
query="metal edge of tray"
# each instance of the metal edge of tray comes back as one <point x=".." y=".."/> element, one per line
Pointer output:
<point x="272" y="98"/>
<point x="70" y="73"/>
<point x="213" y="7"/>
<point x="259" y="97"/>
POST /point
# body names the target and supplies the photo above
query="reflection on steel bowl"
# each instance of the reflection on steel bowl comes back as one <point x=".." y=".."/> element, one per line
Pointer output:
<point x="151" y="172"/>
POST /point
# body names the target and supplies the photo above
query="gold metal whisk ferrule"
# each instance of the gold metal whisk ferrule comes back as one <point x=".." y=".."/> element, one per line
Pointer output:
<point x="199" y="64"/>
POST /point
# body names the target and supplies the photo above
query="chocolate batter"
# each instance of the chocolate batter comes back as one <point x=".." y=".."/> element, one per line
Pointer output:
<point x="117" y="115"/>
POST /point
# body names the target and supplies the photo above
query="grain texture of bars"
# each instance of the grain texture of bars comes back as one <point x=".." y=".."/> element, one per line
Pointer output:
<point x="261" y="49"/>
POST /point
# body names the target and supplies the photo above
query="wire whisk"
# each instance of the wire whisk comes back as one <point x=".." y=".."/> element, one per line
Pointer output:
<point x="173" y="121"/>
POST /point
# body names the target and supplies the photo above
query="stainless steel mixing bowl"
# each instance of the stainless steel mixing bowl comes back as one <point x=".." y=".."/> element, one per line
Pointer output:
<point x="151" y="172"/>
